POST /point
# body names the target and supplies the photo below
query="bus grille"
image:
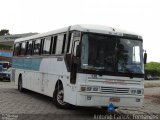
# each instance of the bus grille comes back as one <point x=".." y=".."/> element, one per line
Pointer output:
<point x="109" y="90"/>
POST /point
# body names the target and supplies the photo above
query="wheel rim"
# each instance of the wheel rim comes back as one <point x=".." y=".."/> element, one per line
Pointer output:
<point x="60" y="96"/>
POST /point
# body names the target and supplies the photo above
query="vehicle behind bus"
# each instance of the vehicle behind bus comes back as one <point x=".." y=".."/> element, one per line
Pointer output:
<point x="5" y="71"/>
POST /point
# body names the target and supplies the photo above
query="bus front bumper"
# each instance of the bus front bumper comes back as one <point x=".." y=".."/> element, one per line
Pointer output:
<point x="97" y="99"/>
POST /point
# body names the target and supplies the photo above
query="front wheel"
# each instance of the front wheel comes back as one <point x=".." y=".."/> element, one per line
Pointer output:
<point x="58" y="98"/>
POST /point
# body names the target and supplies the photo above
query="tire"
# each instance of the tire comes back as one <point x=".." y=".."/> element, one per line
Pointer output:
<point x="20" y="84"/>
<point x="58" y="98"/>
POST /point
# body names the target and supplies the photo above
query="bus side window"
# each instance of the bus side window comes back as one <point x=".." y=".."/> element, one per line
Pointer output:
<point x="29" y="48"/>
<point x="64" y="41"/>
<point x="69" y="42"/>
<point x="16" y="49"/>
<point x="37" y="46"/>
<point x="47" y="45"/>
<point x="23" y="48"/>
<point x="54" y="45"/>
<point x="51" y="46"/>
<point x="76" y="44"/>
<point x="26" y="48"/>
<point x="41" y="46"/>
<point x="59" y="44"/>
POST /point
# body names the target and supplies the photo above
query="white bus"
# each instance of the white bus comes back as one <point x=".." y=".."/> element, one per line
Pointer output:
<point x="82" y="65"/>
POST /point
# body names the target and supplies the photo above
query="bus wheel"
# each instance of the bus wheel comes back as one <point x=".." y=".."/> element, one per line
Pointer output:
<point x="58" y="98"/>
<point x="20" y="88"/>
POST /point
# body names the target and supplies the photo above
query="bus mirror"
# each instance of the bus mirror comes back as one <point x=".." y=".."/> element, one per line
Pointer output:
<point x="145" y="57"/>
<point x="78" y="51"/>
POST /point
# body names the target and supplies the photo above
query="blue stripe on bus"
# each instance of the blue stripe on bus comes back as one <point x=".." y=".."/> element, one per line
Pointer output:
<point x="25" y="63"/>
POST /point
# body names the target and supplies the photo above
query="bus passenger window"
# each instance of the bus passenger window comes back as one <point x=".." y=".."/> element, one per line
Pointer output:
<point x="37" y="45"/>
<point x="59" y="44"/>
<point x="54" y="45"/>
<point x="16" y="49"/>
<point x="23" y="48"/>
<point x="69" y="42"/>
<point x="47" y="45"/>
<point x="29" y="48"/>
<point x="64" y="41"/>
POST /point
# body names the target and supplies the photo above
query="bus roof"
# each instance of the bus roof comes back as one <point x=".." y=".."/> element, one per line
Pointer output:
<point x="84" y="28"/>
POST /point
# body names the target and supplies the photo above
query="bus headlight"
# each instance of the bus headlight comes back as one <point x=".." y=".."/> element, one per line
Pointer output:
<point x="90" y="88"/>
<point x="83" y="88"/>
<point x="136" y="91"/>
<point x="96" y="89"/>
<point x="139" y="91"/>
<point x="133" y="92"/>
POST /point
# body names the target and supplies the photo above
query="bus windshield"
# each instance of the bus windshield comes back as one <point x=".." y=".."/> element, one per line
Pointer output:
<point x="111" y="53"/>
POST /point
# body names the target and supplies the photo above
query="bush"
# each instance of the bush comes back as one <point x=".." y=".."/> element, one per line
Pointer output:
<point x="152" y="68"/>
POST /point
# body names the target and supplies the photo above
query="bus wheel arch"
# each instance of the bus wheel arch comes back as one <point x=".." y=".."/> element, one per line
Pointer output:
<point x="58" y="95"/>
<point x="20" y="83"/>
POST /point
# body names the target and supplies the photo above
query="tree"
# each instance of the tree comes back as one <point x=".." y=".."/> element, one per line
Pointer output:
<point x="4" y="32"/>
<point x="153" y="68"/>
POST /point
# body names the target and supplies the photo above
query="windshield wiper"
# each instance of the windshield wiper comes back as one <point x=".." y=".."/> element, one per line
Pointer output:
<point x="130" y="72"/>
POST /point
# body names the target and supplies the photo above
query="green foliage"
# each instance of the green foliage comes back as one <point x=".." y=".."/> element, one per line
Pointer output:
<point x="153" y="68"/>
<point x="5" y="47"/>
<point x="4" y="32"/>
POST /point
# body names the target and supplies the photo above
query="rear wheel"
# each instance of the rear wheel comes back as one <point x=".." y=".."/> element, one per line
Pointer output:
<point x="20" y="84"/>
<point x="58" y="98"/>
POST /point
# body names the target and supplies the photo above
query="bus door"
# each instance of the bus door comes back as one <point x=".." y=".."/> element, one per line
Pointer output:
<point x="75" y="57"/>
<point x="72" y="61"/>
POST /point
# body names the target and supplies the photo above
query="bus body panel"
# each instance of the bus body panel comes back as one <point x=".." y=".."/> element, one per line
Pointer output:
<point x="110" y="87"/>
<point x="104" y="100"/>
<point x="42" y="80"/>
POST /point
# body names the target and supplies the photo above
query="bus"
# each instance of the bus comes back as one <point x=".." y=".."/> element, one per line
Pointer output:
<point x="82" y="65"/>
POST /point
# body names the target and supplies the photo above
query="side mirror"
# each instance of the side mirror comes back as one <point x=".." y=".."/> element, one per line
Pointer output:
<point x="145" y="57"/>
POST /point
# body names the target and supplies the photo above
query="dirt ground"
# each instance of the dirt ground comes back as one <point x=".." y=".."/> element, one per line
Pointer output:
<point x="12" y="101"/>
<point x="152" y="83"/>
<point x="151" y="100"/>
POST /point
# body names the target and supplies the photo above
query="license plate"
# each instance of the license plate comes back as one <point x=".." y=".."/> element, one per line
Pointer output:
<point x="114" y="99"/>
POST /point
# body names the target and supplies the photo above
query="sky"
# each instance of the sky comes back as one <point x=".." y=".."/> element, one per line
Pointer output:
<point x="139" y="16"/>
